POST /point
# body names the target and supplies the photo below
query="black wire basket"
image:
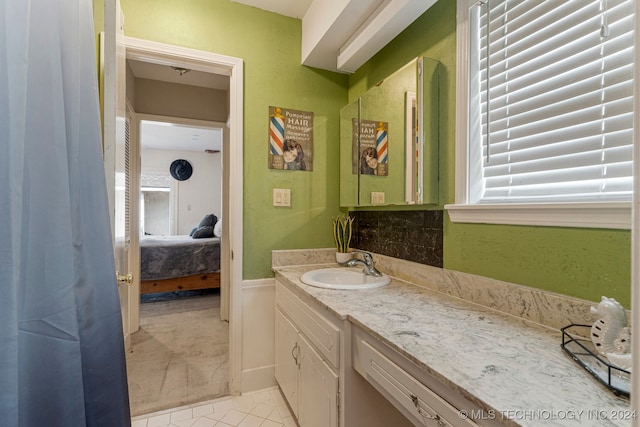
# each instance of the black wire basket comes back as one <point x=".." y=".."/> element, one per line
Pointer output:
<point x="577" y="342"/>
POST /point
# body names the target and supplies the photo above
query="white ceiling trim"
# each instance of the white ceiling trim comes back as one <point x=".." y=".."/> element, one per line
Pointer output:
<point x="388" y="20"/>
<point x="341" y="35"/>
<point x="327" y="25"/>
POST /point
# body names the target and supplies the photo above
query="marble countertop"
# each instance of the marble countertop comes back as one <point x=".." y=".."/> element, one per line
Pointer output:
<point x="513" y="368"/>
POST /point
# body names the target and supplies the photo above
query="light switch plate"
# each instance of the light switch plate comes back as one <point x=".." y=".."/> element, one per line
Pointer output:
<point x="281" y="197"/>
<point x="377" y="197"/>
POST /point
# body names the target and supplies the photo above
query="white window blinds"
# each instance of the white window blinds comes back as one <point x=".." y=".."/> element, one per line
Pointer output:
<point x="557" y="124"/>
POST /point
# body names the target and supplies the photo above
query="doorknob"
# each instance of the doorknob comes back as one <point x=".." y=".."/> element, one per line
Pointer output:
<point x="124" y="280"/>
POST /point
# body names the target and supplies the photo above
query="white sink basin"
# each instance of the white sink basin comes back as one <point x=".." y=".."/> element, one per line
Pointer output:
<point x="343" y="278"/>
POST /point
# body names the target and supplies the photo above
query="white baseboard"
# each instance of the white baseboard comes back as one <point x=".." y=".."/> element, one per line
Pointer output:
<point x="258" y="378"/>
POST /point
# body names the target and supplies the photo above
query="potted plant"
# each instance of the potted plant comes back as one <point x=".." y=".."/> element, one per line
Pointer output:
<point x="342" y="230"/>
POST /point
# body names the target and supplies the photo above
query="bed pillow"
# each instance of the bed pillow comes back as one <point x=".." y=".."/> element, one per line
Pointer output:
<point x="208" y="221"/>
<point x="217" y="230"/>
<point x="203" y="232"/>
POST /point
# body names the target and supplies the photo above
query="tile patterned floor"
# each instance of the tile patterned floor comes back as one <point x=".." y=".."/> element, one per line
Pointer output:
<point x="264" y="408"/>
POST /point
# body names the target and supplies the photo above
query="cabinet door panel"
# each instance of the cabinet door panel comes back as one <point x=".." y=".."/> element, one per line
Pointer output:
<point x="286" y="366"/>
<point x="318" y="387"/>
<point x="324" y="335"/>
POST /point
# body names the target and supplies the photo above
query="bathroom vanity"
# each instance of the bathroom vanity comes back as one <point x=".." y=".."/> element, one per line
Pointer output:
<point x="408" y="355"/>
<point x="307" y="359"/>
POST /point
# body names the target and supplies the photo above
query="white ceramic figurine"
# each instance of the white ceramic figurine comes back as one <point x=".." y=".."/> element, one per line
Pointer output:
<point x="610" y="334"/>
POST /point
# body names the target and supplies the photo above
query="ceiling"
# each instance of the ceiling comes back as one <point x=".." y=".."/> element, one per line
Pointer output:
<point x="147" y="70"/>
<point x="169" y="136"/>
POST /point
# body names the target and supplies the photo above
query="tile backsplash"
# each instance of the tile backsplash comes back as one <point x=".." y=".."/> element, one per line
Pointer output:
<point x="410" y="235"/>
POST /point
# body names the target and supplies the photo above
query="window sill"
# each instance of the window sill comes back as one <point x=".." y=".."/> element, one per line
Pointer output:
<point x="583" y="215"/>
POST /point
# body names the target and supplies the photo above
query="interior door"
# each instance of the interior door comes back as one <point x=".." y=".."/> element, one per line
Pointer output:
<point x="116" y="153"/>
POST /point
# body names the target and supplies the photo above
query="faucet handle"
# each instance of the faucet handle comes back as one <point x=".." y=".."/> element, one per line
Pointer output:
<point x="368" y="258"/>
<point x="368" y="262"/>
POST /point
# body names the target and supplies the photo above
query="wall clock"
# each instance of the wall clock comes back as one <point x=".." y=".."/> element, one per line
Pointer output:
<point x="181" y="169"/>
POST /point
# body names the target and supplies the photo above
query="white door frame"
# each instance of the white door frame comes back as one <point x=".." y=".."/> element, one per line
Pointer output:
<point x="160" y="53"/>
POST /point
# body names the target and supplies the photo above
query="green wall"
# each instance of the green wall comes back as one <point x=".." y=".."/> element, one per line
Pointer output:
<point x="270" y="46"/>
<point x="585" y="263"/>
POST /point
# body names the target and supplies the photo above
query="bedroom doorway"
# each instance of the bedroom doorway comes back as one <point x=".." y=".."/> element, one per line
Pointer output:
<point x="179" y="354"/>
<point x="212" y="64"/>
<point x="231" y="159"/>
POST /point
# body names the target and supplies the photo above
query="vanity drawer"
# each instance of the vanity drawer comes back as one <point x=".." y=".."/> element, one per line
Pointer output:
<point x="323" y="334"/>
<point x="418" y="402"/>
<point x="420" y="397"/>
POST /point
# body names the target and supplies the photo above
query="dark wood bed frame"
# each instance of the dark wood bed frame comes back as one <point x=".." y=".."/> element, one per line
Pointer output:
<point x="187" y="283"/>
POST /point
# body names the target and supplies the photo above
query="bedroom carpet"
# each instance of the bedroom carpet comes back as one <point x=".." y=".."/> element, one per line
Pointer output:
<point x="180" y="354"/>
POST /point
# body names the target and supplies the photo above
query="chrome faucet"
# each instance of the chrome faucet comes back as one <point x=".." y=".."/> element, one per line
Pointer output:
<point x="366" y="261"/>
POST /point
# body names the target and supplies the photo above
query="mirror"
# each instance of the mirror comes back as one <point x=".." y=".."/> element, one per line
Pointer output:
<point x="158" y="203"/>
<point x="155" y="211"/>
<point x="389" y="140"/>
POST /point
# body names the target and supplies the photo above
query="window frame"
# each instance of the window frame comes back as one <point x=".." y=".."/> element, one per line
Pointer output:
<point x="616" y="215"/>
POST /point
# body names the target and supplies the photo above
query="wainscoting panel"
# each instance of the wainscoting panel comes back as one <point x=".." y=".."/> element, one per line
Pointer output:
<point x="258" y="334"/>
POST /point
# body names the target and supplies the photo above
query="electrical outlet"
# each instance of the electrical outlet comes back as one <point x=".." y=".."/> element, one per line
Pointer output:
<point x="281" y="197"/>
<point x="377" y="198"/>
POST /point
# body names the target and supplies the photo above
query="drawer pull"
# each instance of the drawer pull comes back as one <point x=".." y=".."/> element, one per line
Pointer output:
<point x="424" y="415"/>
<point x="295" y="352"/>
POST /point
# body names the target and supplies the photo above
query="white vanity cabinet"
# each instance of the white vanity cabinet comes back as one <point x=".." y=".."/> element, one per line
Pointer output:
<point x="307" y="359"/>
<point x="352" y="359"/>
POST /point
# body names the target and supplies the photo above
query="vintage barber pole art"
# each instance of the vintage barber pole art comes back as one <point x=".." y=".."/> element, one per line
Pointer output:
<point x="372" y="156"/>
<point x="382" y="143"/>
<point x="276" y="132"/>
<point x="290" y="139"/>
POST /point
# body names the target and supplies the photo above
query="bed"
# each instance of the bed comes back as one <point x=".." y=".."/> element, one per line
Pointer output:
<point x="178" y="263"/>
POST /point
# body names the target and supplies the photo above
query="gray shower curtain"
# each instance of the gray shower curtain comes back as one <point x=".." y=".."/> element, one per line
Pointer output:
<point x="61" y="348"/>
